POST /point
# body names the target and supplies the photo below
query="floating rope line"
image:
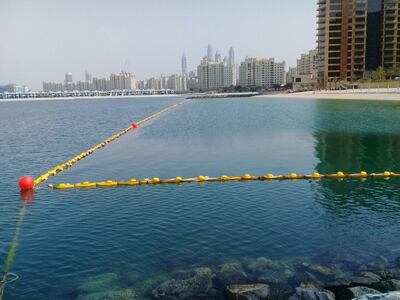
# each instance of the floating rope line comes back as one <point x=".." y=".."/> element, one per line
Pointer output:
<point x="60" y="168"/>
<point x="7" y="276"/>
<point x="245" y="177"/>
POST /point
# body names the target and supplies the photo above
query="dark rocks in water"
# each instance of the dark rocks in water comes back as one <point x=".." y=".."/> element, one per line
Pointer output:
<point x="100" y="282"/>
<point x="125" y="294"/>
<point x="256" y="291"/>
<point x="387" y="296"/>
<point x="188" y="286"/>
<point x="387" y="285"/>
<point x="339" y="284"/>
<point x="371" y="275"/>
<point x="231" y="273"/>
<point x="312" y="293"/>
<point x="268" y="271"/>
<point x="355" y="292"/>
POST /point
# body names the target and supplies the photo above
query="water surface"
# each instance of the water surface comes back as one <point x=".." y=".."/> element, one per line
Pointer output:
<point x="142" y="232"/>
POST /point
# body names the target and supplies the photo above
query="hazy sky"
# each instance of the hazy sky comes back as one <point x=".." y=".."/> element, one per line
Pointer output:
<point x="43" y="39"/>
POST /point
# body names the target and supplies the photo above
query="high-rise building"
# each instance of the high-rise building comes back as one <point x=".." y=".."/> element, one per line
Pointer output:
<point x="184" y="65"/>
<point x="122" y="81"/>
<point x="355" y="36"/>
<point x="213" y="75"/>
<point x="68" y="77"/>
<point x="88" y="76"/>
<point x="231" y="58"/>
<point x="390" y="32"/>
<point x="291" y="74"/>
<point x="307" y="63"/>
<point x="217" y="56"/>
<point x="177" y="82"/>
<point x="210" y="53"/>
<point x="262" y="72"/>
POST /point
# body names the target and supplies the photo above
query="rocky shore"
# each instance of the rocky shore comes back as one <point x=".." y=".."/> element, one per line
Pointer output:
<point x="342" y="277"/>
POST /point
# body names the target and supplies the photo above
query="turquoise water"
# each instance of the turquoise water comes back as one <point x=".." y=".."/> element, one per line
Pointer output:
<point x="144" y="234"/>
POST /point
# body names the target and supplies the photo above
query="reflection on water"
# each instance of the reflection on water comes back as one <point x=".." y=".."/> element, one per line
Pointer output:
<point x="76" y="244"/>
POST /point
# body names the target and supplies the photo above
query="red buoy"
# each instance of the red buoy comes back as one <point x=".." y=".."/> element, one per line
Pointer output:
<point x="134" y="125"/>
<point x="26" y="183"/>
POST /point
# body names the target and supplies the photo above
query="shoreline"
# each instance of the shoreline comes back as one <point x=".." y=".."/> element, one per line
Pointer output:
<point x="91" y="97"/>
<point x="337" y="95"/>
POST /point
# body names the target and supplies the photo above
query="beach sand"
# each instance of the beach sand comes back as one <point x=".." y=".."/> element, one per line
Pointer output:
<point x="392" y="95"/>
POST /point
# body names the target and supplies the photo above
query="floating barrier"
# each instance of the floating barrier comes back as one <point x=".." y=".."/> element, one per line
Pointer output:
<point x="25" y="182"/>
<point x="245" y="177"/>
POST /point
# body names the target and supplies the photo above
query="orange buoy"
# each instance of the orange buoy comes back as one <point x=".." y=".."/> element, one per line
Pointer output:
<point x="26" y="183"/>
<point x="134" y="125"/>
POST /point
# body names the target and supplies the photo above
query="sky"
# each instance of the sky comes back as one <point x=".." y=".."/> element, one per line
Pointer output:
<point x="41" y="40"/>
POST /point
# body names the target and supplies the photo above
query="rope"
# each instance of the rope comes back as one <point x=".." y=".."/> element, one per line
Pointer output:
<point x="68" y="164"/>
<point x="11" y="254"/>
<point x="245" y="177"/>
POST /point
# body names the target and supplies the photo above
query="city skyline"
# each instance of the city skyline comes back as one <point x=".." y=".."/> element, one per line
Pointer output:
<point x="104" y="38"/>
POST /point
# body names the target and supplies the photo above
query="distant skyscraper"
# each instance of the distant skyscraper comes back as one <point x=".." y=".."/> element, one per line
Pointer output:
<point x="217" y="56"/>
<point x="184" y="65"/>
<point x="88" y="76"/>
<point x="231" y="59"/>
<point x="210" y="53"/>
<point x="68" y="77"/>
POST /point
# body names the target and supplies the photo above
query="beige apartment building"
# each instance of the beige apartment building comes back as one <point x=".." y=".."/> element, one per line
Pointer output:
<point x="262" y="72"/>
<point x="214" y="75"/>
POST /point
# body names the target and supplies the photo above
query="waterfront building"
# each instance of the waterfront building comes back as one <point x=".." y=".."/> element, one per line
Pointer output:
<point x="101" y="84"/>
<point x="308" y="62"/>
<point x="192" y="83"/>
<point x="262" y="72"/>
<point x="184" y="65"/>
<point x="355" y="37"/>
<point x="177" y="82"/>
<point x="209" y="53"/>
<point x="231" y="59"/>
<point x="291" y="74"/>
<point x="122" y="81"/>
<point x="213" y="75"/>
<point x="13" y="88"/>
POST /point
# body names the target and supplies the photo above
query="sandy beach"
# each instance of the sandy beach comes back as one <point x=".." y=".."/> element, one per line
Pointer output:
<point x="375" y="94"/>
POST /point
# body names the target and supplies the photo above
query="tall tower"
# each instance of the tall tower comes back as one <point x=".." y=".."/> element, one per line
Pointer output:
<point x="217" y="56"/>
<point x="68" y="77"/>
<point x="88" y="76"/>
<point x="184" y="65"/>
<point x="210" y="53"/>
<point x="231" y="59"/>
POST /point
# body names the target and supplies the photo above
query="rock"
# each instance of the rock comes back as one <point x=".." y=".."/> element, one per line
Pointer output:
<point x="312" y="293"/>
<point x="341" y="283"/>
<point x="387" y="296"/>
<point x="371" y="275"/>
<point x="100" y="283"/>
<point x="268" y="271"/>
<point x="256" y="291"/>
<point x="125" y="294"/>
<point x="387" y="285"/>
<point x="231" y="273"/>
<point x="355" y="292"/>
<point x="322" y="270"/>
<point x="186" y="286"/>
